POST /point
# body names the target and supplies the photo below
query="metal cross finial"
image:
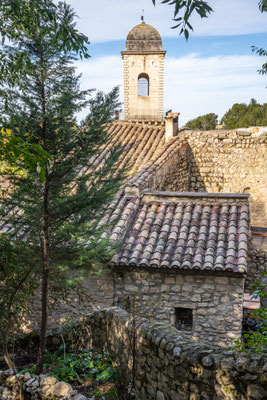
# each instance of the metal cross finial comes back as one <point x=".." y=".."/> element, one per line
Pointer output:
<point x="143" y="16"/>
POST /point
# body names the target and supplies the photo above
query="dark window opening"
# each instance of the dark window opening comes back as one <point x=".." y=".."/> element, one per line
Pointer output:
<point x="143" y="85"/>
<point x="183" y="318"/>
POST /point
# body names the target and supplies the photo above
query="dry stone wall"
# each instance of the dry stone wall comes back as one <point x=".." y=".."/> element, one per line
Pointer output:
<point x="216" y="301"/>
<point x="230" y="161"/>
<point x="155" y="361"/>
<point x="162" y="364"/>
<point x="35" y="387"/>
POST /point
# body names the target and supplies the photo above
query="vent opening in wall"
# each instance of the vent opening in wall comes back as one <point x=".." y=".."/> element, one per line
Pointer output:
<point x="183" y="318"/>
<point x="143" y="85"/>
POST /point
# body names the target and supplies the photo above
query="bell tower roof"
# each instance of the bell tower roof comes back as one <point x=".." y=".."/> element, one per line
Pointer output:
<point x="143" y="37"/>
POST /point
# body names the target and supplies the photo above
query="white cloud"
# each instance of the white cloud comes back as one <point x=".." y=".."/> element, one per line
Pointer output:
<point x="106" y="20"/>
<point x="193" y="85"/>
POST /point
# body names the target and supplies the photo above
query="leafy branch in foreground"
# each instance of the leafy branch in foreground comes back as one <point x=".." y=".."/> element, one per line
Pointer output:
<point x="261" y="52"/>
<point x="189" y="7"/>
<point x="263" y="5"/>
<point x="203" y="9"/>
<point x="32" y="155"/>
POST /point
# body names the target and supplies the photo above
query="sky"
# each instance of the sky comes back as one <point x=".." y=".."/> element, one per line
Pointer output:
<point x="210" y="72"/>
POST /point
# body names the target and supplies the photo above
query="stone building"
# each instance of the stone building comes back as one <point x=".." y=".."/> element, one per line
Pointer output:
<point x="187" y="211"/>
<point x="183" y="260"/>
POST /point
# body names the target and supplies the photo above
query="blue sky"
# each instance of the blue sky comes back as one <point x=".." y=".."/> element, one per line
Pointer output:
<point x="205" y="46"/>
<point x="212" y="70"/>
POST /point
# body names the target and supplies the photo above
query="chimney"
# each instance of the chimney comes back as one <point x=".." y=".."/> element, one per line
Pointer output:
<point x="117" y="115"/>
<point x="171" y="125"/>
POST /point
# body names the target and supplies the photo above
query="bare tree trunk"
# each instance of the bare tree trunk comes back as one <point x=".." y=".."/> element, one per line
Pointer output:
<point x="45" y="277"/>
<point x="46" y="234"/>
<point x="8" y="360"/>
<point x="6" y="334"/>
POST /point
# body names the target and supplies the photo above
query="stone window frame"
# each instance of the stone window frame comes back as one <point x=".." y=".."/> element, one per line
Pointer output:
<point x="189" y="306"/>
<point x="141" y="85"/>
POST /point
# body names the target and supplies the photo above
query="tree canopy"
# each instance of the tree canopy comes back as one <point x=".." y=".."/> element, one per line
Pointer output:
<point x="241" y="115"/>
<point x="22" y="17"/>
<point x="204" y="122"/>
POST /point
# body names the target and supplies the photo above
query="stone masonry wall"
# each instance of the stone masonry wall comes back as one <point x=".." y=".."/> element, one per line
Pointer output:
<point x="257" y="263"/>
<point x="216" y="301"/>
<point x="143" y="107"/>
<point x="230" y="161"/>
<point x="173" y="174"/>
<point x="161" y="364"/>
<point x="99" y="294"/>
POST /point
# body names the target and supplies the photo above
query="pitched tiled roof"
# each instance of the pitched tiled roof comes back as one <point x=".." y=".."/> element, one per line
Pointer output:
<point x="141" y="141"/>
<point x="193" y="231"/>
<point x="145" y="173"/>
<point x="145" y="150"/>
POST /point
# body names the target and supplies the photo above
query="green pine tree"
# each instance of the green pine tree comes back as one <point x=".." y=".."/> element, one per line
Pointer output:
<point x="53" y="215"/>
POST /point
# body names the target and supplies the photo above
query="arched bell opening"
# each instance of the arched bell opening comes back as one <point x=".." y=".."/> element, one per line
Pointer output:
<point x="143" y="85"/>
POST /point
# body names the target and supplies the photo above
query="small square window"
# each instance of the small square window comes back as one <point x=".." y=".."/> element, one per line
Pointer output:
<point x="183" y="318"/>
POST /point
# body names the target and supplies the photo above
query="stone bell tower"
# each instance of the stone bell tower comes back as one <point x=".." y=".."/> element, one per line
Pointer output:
<point x="143" y="62"/>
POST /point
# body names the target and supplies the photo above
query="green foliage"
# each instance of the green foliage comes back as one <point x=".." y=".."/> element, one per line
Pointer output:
<point x="243" y="115"/>
<point x="263" y="5"/>
<point x="205" y="122"/>
<point x="17" y="277"/>
<point x="7" y="169"/>
<point x="256" y="341"/>
<point x="263" y="53"/>
<point x="77" y="366"/>
<point x="38" y="107"/>
<point x="17" y="283"/>
<point x="32" y="156"/>
<point x="28" y="17"/>
<point x="72" y="367"/>
<point x="25" y="18"/>
<point x="202" y="8"/>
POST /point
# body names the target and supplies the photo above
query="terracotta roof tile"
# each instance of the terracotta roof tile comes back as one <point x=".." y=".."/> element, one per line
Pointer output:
<point x="192" y="234"/>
